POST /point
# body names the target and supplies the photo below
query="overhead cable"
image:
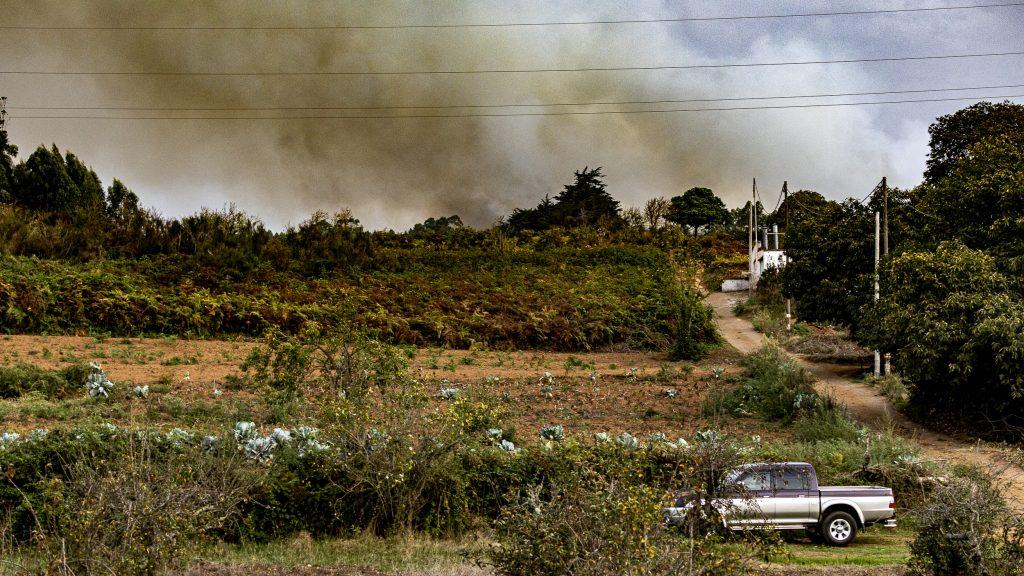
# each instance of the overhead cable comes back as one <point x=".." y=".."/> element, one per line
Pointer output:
<point x="516" y="114"/>
<point x="24" y="72"/>
<point x="507" y="105"/>
<point x="515" y="24"/>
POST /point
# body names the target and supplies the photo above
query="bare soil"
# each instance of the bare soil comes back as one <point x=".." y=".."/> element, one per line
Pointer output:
<point x="614" y="392"/>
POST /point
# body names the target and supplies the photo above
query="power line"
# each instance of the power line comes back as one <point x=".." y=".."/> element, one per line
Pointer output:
<point x="777" y="203"/>
<point x="870" y="194"/>
<point x="521" y="24"/>
<point x="510" y="70"/>
<point x="517" y="114"/>
<point x="816" y="211"/>
<point x="510" y="105"/>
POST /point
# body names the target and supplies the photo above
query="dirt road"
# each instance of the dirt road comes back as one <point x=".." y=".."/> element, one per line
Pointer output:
<point x="874" y="410"/>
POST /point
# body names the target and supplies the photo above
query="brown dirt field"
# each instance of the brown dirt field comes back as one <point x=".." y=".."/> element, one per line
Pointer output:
<point x="628" y="394"/>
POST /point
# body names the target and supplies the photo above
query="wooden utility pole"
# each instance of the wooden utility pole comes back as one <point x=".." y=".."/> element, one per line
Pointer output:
<point x="878" y="358"/>
<point x="750" y="243"/>
<point x="885" y="215"/>
<point x="789" y="301"/>
<point x="3" y="112"/>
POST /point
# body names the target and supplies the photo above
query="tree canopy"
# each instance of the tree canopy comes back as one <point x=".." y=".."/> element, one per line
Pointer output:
<point x="831" y="260"/>
<point x="698" y="208"/>
<point x="952" y="302"/>
<point x="584" y="203"/>
<point x="7" y="153"/>
<point x="953" y="135"/>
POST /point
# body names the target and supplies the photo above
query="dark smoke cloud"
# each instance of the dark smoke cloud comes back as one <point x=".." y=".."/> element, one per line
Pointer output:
<point x="394" y="173"/>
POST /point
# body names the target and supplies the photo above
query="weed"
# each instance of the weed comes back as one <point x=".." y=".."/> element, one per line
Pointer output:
<point x="574" y="363"/>
<point x="180" y="361"/>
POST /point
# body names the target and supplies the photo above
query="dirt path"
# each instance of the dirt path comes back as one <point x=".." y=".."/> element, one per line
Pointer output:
<point x="874" y="410"/>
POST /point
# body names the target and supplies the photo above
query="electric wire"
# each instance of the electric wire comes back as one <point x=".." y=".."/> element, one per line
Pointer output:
<point x="863" y="201"/>
<point x="516" y="114"/>
<point x="507" y="70"/>
<point x="507" y="105"/>
<point x="814" y="211"/>
<point x="777" y="203"/>
<point x="519" y="24"/>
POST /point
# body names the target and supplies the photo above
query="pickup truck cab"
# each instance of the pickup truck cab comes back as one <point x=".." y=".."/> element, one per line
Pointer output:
<point x="786" y="496"/>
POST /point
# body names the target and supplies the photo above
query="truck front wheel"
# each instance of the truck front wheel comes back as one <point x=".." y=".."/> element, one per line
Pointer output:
<point x="839" y="528"/>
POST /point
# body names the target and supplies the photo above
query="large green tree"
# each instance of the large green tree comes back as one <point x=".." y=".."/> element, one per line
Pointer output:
<point x="584" y="203"/>
<point x="981" y="200"/>
<point x="43" y="182"/>
<point x="831" y="261"/>
<point x="698" y="208"/>
<point x="953" y="135"/>
<point x="956" y="334"/>
<point x="7" y="153"/>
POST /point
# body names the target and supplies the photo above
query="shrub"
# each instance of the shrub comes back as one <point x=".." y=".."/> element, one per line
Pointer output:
<point x="826" y="419"/>
<point x="22" y="378"/>
<point x="138" y="510"/>
<point x="775" y="386"/>
<point x="596" y="511"/>
<point x="965" y="528"/>
<point x="696" y="331"/>
<point x="604" y="530"/>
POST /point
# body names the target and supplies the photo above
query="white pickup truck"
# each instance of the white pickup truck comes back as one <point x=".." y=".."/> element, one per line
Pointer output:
<point x="786" y="496"/>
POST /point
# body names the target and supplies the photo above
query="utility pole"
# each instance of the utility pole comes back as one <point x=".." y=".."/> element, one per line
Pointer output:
<point x="750" y="243"/>
<point x="885" y="215"/>
<point x="789" y="301"/>
<point x="885" y="212"/>
<point x="878" y="358"/>
<point x="3" y="112"/>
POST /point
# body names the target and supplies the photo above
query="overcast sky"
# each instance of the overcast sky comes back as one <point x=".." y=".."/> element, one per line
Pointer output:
<point x="392" y="173"/>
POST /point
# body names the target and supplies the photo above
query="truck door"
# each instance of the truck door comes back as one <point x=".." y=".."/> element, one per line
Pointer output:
<point x="794" y="503"/>
<point x="754" y="503"/>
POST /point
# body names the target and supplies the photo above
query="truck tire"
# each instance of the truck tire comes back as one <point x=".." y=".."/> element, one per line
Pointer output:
<point x="839" y="528"/>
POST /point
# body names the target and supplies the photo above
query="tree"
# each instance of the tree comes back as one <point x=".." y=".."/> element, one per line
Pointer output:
<point x="698" y="208"/>
<point x="655" y="211"/>
<point x="633" y="217"/>
<point x="7" y="153"/>
<point x="953" y="135"/>
<point x="981" y="200"/>
<point x="90" y="189"/>
<point x="831" y="262"/>
<point x="584" y="203"/>
<point x="122" y="203"/>
<point x="442" y="226"/>
<point x="956" y="333"/>
<point x="42" y="183"/>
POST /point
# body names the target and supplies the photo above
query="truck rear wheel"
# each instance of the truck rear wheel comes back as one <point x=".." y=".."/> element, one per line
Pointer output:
<point x="839" y="528"/>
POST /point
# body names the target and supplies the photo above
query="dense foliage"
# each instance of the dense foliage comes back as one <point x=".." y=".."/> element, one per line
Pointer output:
<point x="697" y="208"/>
<point x="950" y="291"/>
<point x="585" y="202"/>
<point x="560" y="299"/>
<point x="75" y="258"/>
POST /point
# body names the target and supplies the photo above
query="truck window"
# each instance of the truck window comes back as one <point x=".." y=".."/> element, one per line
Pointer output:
<point x="755" y="480"/>
<point x="792" y="479"/>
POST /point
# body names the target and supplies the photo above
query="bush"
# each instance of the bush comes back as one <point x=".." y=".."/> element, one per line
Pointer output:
<point x="826" y="419"/>
<point x="119" y="503"/>
<point x="965" y="528"/>
<point x="696" y="331"/>
<point x="23" y="378"/>
<point x="607" y="529"/>
<point x="775" y="387"/>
